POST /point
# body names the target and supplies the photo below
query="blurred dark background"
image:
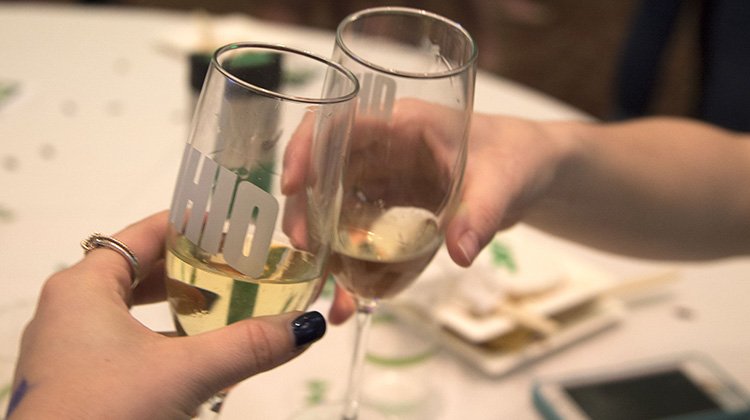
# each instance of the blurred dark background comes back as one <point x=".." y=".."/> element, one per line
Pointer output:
<point x="569" y="49"/>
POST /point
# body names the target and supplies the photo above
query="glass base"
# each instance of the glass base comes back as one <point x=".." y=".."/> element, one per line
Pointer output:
<point x="399" y="395"/>
<point x="333" y="411"/>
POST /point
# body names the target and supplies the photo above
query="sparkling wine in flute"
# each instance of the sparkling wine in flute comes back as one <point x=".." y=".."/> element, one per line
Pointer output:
<point x="381" y="259"/>
<point x="239" y="246"/>
<point x="205" y="293"/>
<point x="403" y="162"/>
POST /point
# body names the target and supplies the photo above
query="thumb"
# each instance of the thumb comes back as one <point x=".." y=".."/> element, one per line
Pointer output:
<point x="342" y="308"/>
<point x="226" y="356"/>
<point x="480" y="215"/>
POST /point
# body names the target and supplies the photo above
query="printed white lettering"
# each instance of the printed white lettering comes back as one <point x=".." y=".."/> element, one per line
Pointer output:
<point x="206" y="196"/>
<point x="249" y="199"/>
<point x="377" y="95"/>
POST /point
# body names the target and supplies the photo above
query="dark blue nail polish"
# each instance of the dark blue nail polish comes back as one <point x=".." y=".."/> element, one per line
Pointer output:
<point x="308" y="327"/>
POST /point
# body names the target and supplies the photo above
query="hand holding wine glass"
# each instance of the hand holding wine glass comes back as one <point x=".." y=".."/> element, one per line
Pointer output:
<point x="404" y="160"/>
<point x="426" y="147"/>
<point x="230" y="255"/>
<point x="110" y="365"/>
<point x="399" y="180"/>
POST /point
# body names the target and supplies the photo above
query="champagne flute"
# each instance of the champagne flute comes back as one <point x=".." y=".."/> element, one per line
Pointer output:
<point x="237" y="246"/>
<point x="404" y="161"/>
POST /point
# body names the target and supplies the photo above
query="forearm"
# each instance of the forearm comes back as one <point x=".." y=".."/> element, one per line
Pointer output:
<point x="659" y="188"/>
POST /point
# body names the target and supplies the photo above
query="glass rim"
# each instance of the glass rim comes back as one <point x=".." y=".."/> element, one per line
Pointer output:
<point x="408" y="11"/>
<point x="276" y="94"/>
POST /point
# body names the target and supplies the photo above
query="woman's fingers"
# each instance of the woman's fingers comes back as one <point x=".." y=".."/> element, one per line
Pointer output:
<point x="297" y="156"/>
<point x="342" y="308"/>
<point x="231" y="354"/>
<point x="146" y="240"/>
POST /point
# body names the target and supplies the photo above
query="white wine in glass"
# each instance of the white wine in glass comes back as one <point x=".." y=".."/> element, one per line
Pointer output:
<point x="238" y="246"/>
<point x="403" y="164"/>
<point x="377" y="259"/>
<point x="206" y="293"/>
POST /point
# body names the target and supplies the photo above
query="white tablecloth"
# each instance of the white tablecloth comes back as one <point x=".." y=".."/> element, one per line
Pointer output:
<point x="91" y="138"/>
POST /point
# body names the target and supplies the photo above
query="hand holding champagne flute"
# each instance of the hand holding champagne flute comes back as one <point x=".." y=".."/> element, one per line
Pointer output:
<point x="399" y="180"/>
<point x="404" y="160"/>
<point x="229" y="256"/>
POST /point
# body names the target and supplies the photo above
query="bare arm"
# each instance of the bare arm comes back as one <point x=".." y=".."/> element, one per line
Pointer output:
<point x="657" y="188"/>
<point x="662" y="188"/>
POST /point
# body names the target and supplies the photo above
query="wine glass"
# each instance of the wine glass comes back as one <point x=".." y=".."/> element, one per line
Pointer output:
<point x="404" y="161"/>
<point x="237" y="245"/>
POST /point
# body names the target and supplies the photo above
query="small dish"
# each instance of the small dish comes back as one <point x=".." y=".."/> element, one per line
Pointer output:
<point x="568" y="303"/>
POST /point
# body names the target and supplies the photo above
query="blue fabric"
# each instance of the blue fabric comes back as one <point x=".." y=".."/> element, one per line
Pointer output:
<point x="725" y="60"/>
<point x="725" y="96"/>
<point x="641" y="57"/>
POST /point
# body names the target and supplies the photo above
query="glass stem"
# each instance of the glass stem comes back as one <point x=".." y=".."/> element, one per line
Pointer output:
<point x="364" y="319"/>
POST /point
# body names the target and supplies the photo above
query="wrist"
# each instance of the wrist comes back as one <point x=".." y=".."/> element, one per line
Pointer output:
<point x="567" y="145"/>
<point x="568" y="139"/>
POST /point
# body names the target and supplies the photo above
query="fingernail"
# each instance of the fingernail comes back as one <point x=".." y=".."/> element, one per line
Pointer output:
<point x="308" y="327"/>
<point x="469" y="246"/>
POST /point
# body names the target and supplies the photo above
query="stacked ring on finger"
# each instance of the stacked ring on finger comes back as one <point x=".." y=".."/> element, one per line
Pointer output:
<point x="97" y="240"/>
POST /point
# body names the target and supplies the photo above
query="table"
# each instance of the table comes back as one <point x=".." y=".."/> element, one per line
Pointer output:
<point x="91" y="141"/>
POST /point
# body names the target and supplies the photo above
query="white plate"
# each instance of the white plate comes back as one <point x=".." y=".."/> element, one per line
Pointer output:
<point x="498" y="340"/>
<point x="581" y="283"/>
<point x="603" y="313"/>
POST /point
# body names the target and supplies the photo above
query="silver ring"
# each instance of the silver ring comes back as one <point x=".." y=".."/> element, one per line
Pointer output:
<point x="97" y="240"/>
